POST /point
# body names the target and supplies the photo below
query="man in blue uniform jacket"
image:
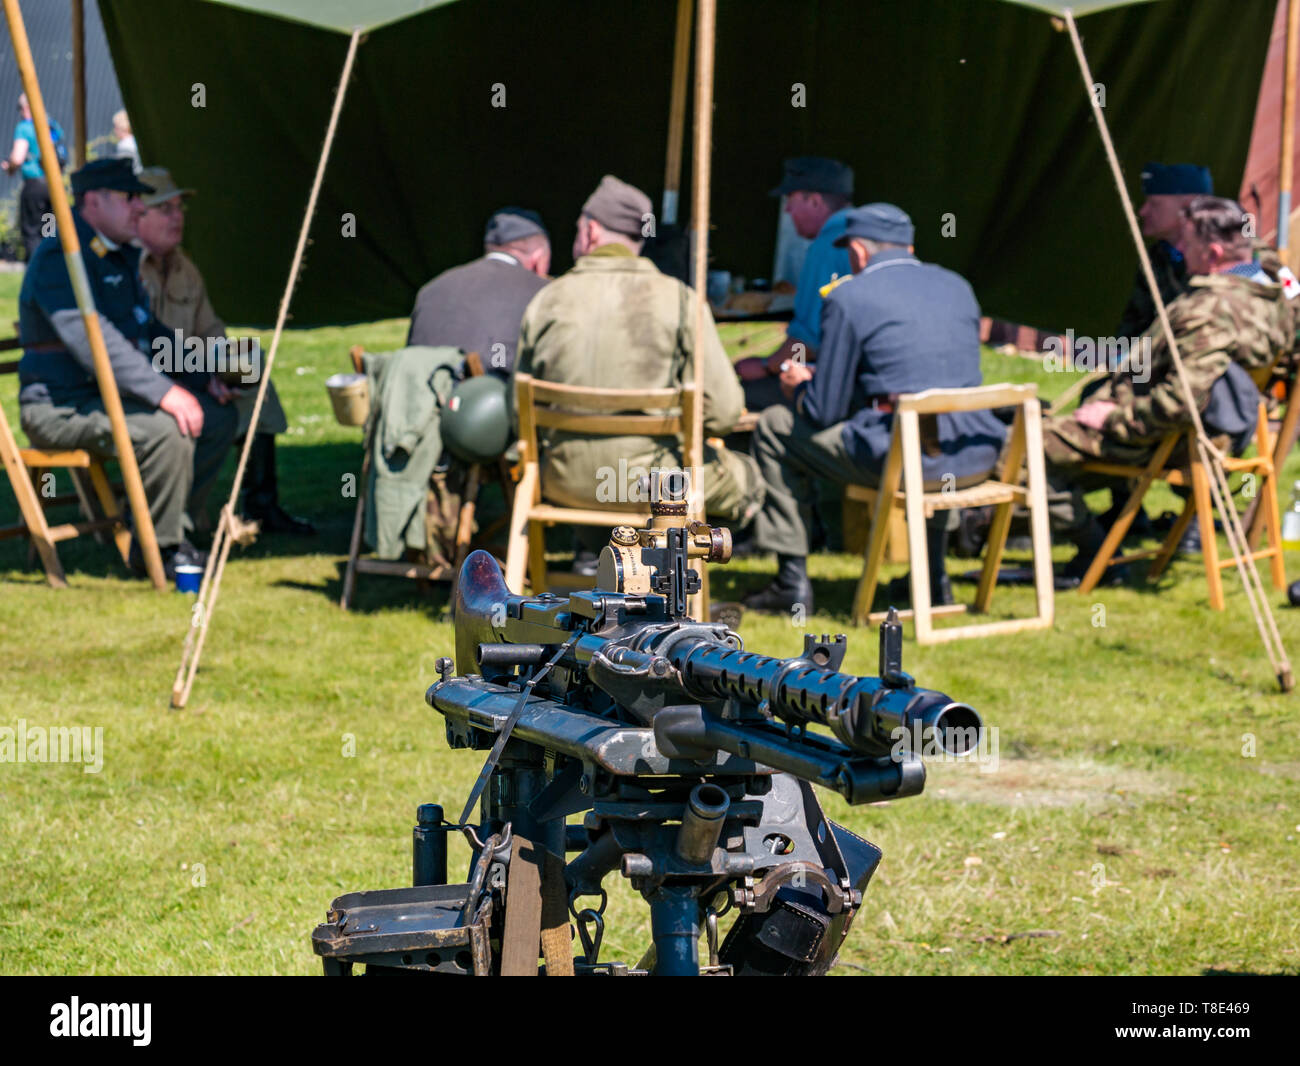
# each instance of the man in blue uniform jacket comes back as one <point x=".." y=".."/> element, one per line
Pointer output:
<point x="179" y="438"/>
<point x="896" y="326"/>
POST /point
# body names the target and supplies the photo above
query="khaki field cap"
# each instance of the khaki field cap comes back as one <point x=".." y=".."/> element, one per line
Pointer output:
<point x="618" y="206"/>
<point x="160" y="180"/>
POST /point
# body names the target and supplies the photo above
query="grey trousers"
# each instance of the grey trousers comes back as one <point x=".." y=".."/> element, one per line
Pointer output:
<point x="178" y="472"/>
<point x="792" y="454"/>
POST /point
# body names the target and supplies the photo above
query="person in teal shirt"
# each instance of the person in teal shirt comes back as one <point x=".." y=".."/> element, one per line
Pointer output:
<point x="25" y="158"/>
<point x="819" y="193"/>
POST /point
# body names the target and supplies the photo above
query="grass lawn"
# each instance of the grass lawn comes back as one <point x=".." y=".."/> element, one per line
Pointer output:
<point x="1143" y="815"/>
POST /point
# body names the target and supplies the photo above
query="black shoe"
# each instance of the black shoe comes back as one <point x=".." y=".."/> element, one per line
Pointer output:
<point x="183" y="554"/>
<point x="585" y="563"/>
<point x="1071" y="575"/>
<point x="1191" y="542"/>
<point x="275" y="519"/>
<point x="900" y="590"/>
<point x="778" y="598"/>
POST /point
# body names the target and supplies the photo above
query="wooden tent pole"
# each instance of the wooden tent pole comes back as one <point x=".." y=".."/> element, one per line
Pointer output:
<point x="1209" y="455"/>
<point x="1286" y="162"/>
<point x="79" y="82"/>
<point x="677" y="112"/>
<point x="700" y="179"/>
<point x="144" y="531"/>
<point x="211" y="585"/>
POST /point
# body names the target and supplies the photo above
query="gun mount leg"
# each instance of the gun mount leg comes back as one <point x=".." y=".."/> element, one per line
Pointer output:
<point x="675" y="926"/>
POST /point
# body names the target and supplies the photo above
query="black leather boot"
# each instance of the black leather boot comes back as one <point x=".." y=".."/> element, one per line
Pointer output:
<point x="261" y="492"/>
<point x="1089" y="542"/>
<point x="790" y="589"/>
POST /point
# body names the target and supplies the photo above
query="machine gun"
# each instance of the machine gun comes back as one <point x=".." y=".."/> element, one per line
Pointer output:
<point x="692" y="759"/>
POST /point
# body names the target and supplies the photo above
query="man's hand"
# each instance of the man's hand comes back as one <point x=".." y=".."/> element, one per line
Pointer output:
<point x="219" y="390"/>
<point x="793" y="374"/>
<point x="1093" y="415"/>
<point x="182" y="406"/>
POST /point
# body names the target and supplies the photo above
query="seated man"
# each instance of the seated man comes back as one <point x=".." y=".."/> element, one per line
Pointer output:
<point x="180" y="439"/>
<point x="896" y="326"/>
<point x="615" y="322"/>
<point x="1233" y="312"/>
<point x="180" y="302"/>
<point x="477" y="307"/>
<point x="818" y="194"/>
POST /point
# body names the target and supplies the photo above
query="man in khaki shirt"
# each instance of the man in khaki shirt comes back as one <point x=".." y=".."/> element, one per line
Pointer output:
<point x="180" y="302"/>
<point x="614" y="321"/>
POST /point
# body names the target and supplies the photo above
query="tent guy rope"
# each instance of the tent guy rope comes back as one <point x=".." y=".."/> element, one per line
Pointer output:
<point x="230" y="527"/>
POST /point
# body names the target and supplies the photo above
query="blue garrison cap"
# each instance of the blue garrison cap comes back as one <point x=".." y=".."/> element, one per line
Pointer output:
<point x="814" y="173"/>
<point x="116" y="174"/>
<point x="1175" y="179"/>
<point x="513" y="224"/>
<point x="878" y="222"/>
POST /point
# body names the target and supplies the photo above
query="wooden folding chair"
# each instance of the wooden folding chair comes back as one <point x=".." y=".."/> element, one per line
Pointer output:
<point x="593" y="412"/>
<point x="1002" y="491"/>
<point x="1192" y="472"/>
<point x="25" y="467"/>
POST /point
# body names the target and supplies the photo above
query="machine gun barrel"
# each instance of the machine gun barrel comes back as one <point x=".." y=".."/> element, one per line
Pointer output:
<point x="866" y="713"/>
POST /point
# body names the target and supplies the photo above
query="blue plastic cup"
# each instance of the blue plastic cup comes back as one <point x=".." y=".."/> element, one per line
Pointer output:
<point x="188" y="578"/>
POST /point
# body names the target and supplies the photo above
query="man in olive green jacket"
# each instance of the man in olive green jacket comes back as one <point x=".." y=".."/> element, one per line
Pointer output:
<point x="614" y="321"/>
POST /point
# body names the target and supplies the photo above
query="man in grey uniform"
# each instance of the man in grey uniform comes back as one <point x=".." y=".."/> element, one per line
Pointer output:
<point x="477" y="307"/>
<point x="896" y="326"/>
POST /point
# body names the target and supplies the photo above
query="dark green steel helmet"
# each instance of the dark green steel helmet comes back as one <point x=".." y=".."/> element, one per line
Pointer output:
<point x="476" y="420"/>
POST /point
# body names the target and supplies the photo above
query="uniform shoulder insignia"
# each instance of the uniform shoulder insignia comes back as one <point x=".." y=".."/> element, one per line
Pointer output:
<point x="825" y="290"/>
<point x="98" y="246"/>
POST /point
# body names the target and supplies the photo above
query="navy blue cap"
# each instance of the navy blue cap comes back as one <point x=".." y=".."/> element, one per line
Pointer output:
<point x="513" y="224"/>
<point x="116" y="174"/>
<point x="814" y="173"/>
<point x="878" y="222"/>
<point x="1176" y="179"/>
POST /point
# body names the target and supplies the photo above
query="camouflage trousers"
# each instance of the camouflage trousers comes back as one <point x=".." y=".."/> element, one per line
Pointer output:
<point x="1067" y="445"/>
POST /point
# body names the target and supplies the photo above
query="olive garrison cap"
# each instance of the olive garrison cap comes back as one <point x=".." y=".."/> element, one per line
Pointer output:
<point x="1164" y="179"/>
<point x="162" y="186"/>
<point x="618" y="206"/>
<point x="878" y="222"/>
<point x="107" y="174"/>
<point x="814" y="173"/>
<point x="513" y="224"/>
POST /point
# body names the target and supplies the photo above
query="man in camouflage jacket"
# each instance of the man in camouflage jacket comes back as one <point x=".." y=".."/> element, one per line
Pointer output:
<point x="1233" y="312"/>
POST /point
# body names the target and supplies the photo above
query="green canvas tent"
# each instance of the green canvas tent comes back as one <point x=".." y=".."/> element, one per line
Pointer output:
<point x="968" y="112"/>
